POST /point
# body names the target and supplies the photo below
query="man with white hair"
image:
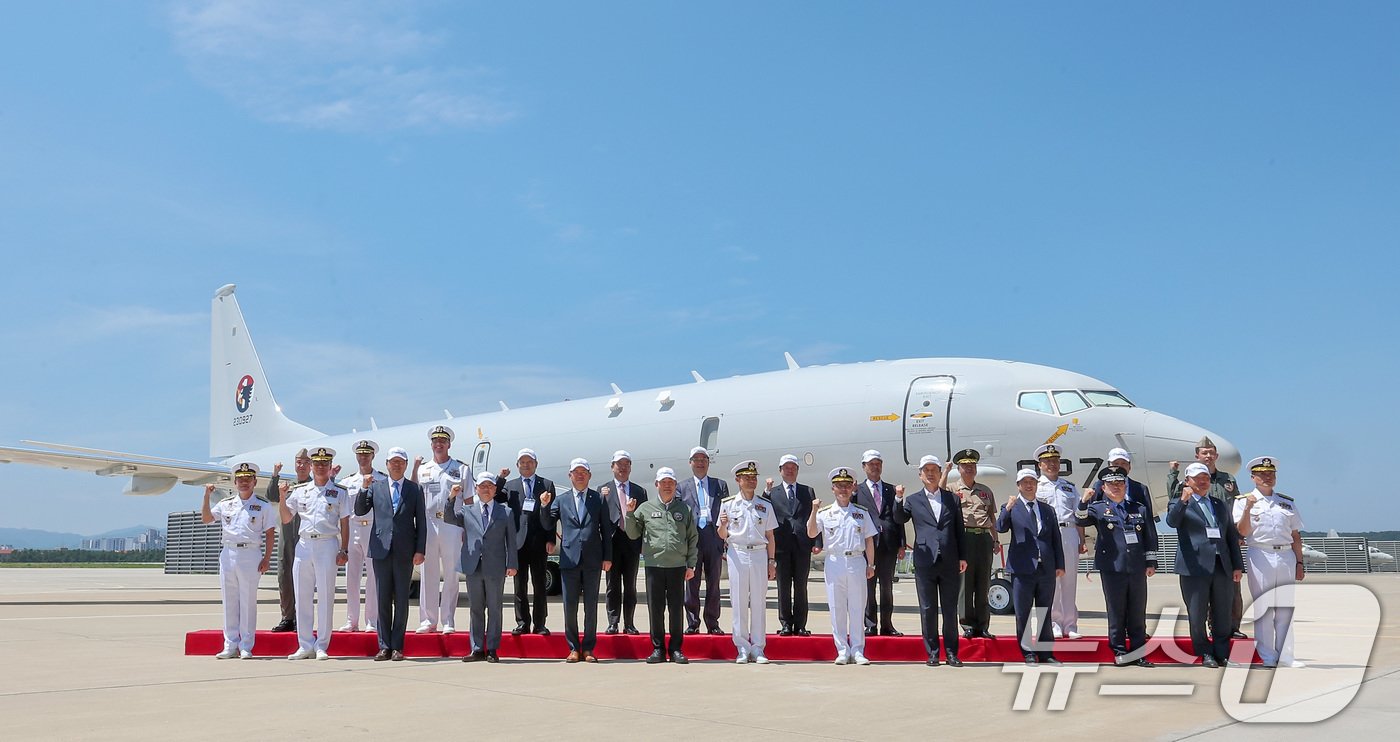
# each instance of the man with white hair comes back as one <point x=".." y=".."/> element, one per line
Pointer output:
<point x="245" y="523"/>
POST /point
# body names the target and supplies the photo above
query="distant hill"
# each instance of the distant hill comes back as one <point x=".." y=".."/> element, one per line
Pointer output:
<point x="30" y="538"/>
<point x="1368" y="535"/>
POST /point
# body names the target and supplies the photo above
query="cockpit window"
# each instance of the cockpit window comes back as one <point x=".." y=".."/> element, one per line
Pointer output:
<point x="1035" y="402"/>
<point x="1069" y="401"/>
<point x="1107" y="398"/>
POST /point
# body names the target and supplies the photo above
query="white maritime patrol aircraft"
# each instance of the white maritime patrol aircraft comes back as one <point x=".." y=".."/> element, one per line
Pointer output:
<point x="825" y="415"/>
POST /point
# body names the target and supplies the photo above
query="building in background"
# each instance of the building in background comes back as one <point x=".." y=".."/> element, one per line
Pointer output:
<point x="148" y="540"/>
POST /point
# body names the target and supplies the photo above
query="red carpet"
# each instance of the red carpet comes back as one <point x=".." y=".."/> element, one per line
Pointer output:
<point x="817" y="648"/>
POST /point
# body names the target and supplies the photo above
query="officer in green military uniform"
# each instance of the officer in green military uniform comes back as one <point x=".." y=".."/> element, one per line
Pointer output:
<point x="1222" y="488"/>
<point x="979" y="509"/>
<point x="670" y="546"/>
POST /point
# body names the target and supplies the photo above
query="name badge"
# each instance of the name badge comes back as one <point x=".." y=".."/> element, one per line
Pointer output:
<point x="1213" y="534"/>
<point x="1130" y="537"/>
<point x="528" y="506"/>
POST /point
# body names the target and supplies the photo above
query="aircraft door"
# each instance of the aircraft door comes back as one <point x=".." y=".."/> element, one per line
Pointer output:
<point x="926" y="413"/>
<point x="480" y="458"/>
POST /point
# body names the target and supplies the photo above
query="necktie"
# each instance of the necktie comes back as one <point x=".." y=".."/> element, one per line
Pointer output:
<point x="1205" y="507"/>
<point x="1122" y="511"/>
<point x="792" y="496"/>
<point x="396" y="500"/>
<point x="485" y="517"/>
<point x="1035" y="513"/>
<point x="529" y="489"/>
<point x="621" y="502"/>
<point x="579" y="504"/>
<point x="875" y="492"/>
<point x="703" y="500"/>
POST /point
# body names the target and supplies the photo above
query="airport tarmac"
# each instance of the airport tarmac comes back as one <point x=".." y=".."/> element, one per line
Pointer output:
<point x="98" y="654"/>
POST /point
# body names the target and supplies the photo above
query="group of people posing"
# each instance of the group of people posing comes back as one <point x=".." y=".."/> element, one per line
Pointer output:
<point x="491" y="528"/>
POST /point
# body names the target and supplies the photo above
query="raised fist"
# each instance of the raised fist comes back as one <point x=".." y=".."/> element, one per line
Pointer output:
<point x="816" y="505"/>
<point x="209" y="490"/>
<point x="277" y="469"/>
<point x="456" y="490"/>
<point x="631" y="505"/>
<point x="723" y="518"/>
<point x="768" y="484"/>
<point x="546" y="497"/>
<point x="417" y="461"/>
<point x="335" y="471"/>
<point x="368" y="480"/>
<point x="505" y="472"/>
<point x="899" y="491"/>
<point x="1173" y="465"/>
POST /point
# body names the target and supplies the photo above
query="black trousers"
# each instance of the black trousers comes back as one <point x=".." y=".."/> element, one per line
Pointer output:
<point x="885" y="560"/>
<point x="622" y="580"/>
<point x="707" y="568"/>
<point x="1236" y="608"/>
<point x="938" y="595"/>
<point x="393" y="576"/>
<point x="1208" y="602"/>
<point x="1125" y="600"/>
<point x="665" y="603"/>
<point x="531" y="574"/>
<point x="793" y="568"/>
<point x="1033" y="591"/>
<point x="286" y="552"/>
<point x="977" y="582"/>
<point x="580" y="584"/>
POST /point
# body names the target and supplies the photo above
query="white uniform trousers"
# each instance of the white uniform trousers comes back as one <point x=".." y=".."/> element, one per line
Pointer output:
<point x="359" y="560"/>
<point x="1272" y="570"/>
<point x="1064" y="613"/>
<point x="845" y="598"/>
<point x="238" y="587"/>
<point x="748" y="595"/>
<point x="313" y="571"/>
<point x="442" y="562"/>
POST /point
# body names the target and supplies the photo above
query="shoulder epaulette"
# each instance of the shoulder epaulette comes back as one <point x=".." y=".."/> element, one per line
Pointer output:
<point x="862" y="507"/>
<point x="1282" y="496"/>
<point x="828" y="507"/>
<point x="765" y="498"/>
<point x="261" y="499"/>
<point x="727" y="499"/>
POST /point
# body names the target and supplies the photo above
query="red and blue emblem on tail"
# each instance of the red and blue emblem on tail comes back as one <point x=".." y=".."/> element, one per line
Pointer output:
<point x="244" y="398"/>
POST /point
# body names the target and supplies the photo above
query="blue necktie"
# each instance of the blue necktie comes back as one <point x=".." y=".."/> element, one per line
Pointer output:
<point x="396" y="499"/>
<point x="702" y="499"/>
<point x="485" y="517"/>
<point x="1205" y="506"/>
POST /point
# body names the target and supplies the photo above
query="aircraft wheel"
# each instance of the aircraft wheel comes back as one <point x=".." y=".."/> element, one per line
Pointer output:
<point x="999" y="597"/>
<point x="552" y="585"/>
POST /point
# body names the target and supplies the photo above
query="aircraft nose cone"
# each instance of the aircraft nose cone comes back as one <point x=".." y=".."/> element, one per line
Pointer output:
<point x="1230" y="459"/>
<point x="1170" y="439"/>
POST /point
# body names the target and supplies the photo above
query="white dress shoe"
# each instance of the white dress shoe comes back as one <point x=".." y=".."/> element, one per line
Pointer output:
<point x="370" y="629"/>
<point x="448" y="628"/>
<point x="860" y="659"/>
<point x="227" y="654"/>
<point x="759" y="658"/>
<point x="1074" y="635"/>
<point x="1292" y="663"/>
<point x="841" y="659"/>
<point x="322" y="654"/>
<point x="245" y="655"/>
<point x="425" y="627"/>
<point x="301" y="654"/>
<point x="1055" y="632"/>
<point x="742" y="659"/>
<point x="347" y="627"/>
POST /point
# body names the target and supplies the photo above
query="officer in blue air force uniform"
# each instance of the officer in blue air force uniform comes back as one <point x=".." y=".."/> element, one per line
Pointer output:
<point x="1125" y="555"/>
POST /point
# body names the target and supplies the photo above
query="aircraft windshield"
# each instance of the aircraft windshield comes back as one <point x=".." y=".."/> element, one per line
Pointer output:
<point x="1107" y="398"/>
<point x="1070" y="401"/>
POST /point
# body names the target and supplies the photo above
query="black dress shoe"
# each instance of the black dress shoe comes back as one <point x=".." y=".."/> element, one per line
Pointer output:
<point x="396" y="656"/>
<point x="611" y="629"/>
<point x="969" y="633"/>
<point x="953" y="660"/>
<point x="1120" y="660"/>
<point x="693" y="630"/>
<point x="1144" y="663"/>
<point x="383" y="655"/>
<point x="542" y="631"/>
<point x="984" y="634"/>
<point x="656" y="656"/>
<point x="1238" y="635"/>
<point x="631" y="630"/>
<point x="284" y="625"/>
<point x="891" y="632"/>
<point x="1209" y="661"/>
<point x="717" y="631"/>
<point x="474" y="657"/>
<point x="1031" y="660"/>
<point x="1049" y="659"/>
<point x="679" y="658"/>
<point x="932" y="661"/>
<point x="785" y="631"/>
<point x="492" y="657"/>
<point x="518" y="630"/>
<point x="802" y="632"/>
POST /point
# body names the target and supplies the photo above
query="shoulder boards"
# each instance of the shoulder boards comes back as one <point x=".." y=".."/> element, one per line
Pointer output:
<point x="261" y="499"/>
<point x="727" y="499"/>
<point x="862" y="507"/>
<point x="765" y="498"/>
<point x="1282" y="496"/>
<point x="828" y="507"/>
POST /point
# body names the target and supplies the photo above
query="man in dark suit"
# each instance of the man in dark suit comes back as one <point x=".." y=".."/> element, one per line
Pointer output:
<point x="1035" y="559"/>
<point x="703" y="493"/>
<point x="940" y="556"/>
<point x="1208" y="561"/>
<point x="489" y="556"/>
<point x="878" y="497"/>
<point x="792" y="503"/>
<point x="397" y="544"/>
<point x="1125" y="553"/>
<point x="627" y="551"/>
<point x="586" y="542"/>
<point x="536" y="544"/>
<point x="1137" y="491"/>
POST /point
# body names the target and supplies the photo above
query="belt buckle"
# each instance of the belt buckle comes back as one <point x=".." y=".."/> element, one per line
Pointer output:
<point x="438" y="515"/>
<point x="364" y="521"/>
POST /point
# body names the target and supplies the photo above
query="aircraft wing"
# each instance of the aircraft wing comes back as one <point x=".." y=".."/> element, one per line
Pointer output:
<point x="150" y="475"/>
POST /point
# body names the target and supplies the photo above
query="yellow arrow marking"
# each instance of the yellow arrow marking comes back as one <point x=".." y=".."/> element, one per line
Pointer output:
<point x="890" y="416"/>
<point x="1058" y="432"/>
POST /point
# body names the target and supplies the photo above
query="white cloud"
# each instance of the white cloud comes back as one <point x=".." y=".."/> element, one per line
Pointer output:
<point x="345" y="66"/>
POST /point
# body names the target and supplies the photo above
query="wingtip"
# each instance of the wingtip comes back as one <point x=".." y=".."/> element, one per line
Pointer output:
<point x="791" y="362"/>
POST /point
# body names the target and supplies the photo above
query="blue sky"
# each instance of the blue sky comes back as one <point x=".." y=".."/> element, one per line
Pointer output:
<point x="1196" y="202"/>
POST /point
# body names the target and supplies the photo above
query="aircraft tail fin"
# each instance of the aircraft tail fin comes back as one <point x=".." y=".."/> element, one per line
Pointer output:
<point x="243" y="414"/>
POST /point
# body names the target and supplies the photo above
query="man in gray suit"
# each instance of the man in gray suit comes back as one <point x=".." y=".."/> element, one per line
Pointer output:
<point x="399" y="538"/>
<point x="585" y="552"/>
<point x="489" y="556"/>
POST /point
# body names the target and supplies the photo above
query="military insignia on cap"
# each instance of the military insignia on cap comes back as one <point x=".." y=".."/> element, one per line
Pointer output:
<point x="746" y="468"/>
<point x="322" y="453"/>
<point x="1263" y="463"/>
<point x="967" y="456"/>
<point x="442" y="431"/>
<point x="366" y="447"/>
<point x="245" y="470"/>
<point x="841" y="474"/>
<point x="1047" y="451"/>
